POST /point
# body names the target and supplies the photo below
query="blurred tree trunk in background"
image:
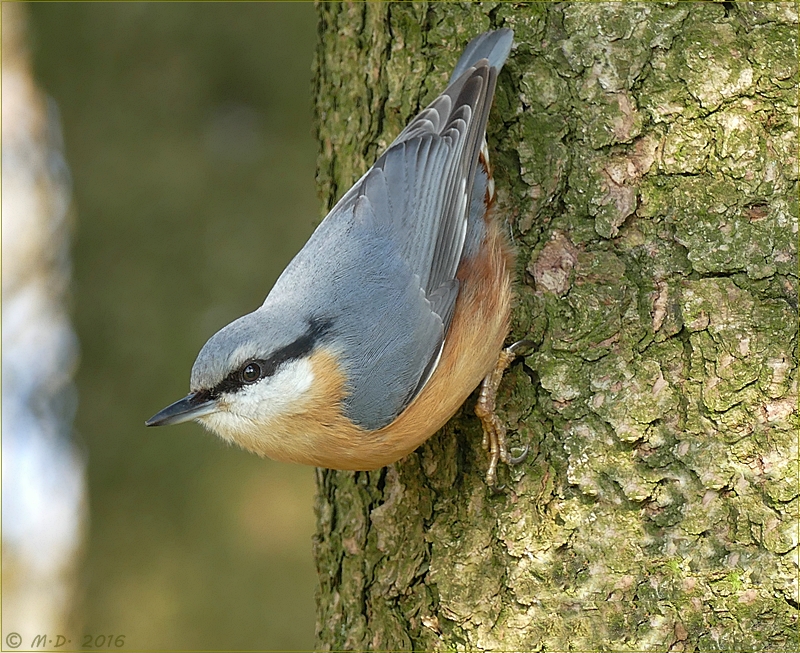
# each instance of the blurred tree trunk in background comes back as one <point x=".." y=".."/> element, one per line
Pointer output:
<point x="645" y="159"/>
<point x="44" y="477"/>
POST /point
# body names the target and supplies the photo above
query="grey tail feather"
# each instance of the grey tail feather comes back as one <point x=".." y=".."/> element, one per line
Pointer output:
<point x="493" y="46"/>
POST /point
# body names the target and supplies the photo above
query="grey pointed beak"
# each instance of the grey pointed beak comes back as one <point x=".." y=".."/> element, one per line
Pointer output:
<point x="192" y="406"/>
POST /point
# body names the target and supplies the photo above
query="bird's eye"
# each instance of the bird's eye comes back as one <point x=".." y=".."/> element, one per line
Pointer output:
<point x="251" y="373"/>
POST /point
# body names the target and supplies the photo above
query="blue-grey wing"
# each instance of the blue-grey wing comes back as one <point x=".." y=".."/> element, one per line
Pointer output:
<point x="404" y="224"/>
<point x="420" y="188"/>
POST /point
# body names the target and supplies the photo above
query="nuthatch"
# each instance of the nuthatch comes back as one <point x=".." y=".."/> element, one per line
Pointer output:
<point x="392" y="313"/>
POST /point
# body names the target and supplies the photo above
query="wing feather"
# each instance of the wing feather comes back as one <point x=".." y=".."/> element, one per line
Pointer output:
<point x="418" y="195"/>
<point x="411" y="211"/>
<point x="419" y="188"/>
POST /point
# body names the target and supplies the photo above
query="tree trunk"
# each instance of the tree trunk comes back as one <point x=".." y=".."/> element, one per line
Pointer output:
<point x="645" y="161"/>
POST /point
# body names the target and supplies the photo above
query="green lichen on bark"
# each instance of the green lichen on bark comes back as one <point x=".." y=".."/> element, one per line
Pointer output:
<point x="645" y="159"/>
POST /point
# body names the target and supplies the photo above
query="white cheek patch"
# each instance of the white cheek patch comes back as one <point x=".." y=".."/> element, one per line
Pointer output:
<point x="275" y="396"/>
<point x="279" y="395"/>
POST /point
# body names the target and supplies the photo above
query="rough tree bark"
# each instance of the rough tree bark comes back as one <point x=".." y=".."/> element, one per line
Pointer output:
<point x="646" y="163"/>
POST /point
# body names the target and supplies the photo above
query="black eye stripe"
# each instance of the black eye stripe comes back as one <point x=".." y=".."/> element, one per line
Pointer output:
<point x="268" y="366"/>
<point x="235" y="380"/>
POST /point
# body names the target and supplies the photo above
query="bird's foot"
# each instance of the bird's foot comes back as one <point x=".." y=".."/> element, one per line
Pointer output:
<point x="494" y="431"/>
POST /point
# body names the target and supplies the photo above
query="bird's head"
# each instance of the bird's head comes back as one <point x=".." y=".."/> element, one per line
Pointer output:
<point x="252" y="372"/>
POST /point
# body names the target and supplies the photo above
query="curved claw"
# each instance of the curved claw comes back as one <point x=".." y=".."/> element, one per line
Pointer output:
<point x="516" y="460"/>
<point x="497" y="489"/>
<point x="520" y="344"/>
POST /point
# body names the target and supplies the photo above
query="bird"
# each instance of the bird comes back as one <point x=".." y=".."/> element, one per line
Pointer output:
<point x="394" y="311"/>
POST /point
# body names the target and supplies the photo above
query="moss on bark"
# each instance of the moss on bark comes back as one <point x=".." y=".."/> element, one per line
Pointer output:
<point x="646" y="162"/>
